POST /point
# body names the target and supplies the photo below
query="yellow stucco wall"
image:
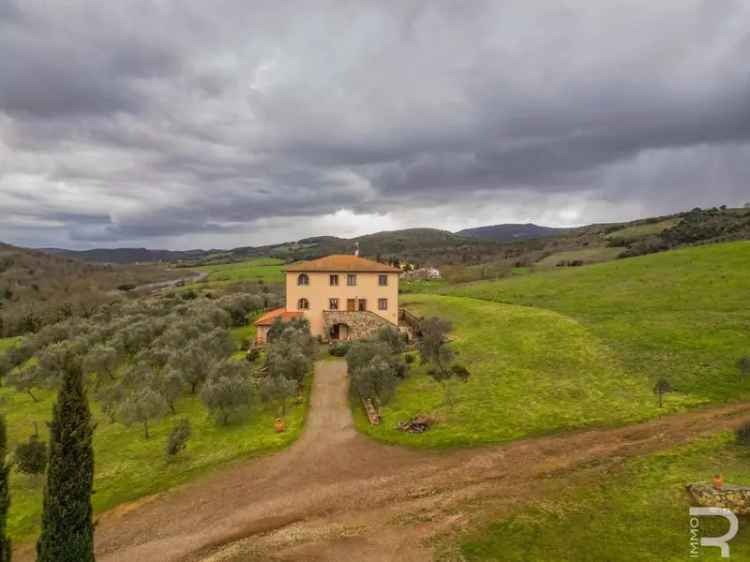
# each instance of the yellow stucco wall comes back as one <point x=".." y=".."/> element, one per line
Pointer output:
<point x="319" y="291"/>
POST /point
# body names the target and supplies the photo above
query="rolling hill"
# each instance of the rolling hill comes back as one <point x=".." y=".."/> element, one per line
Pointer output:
<point x="511" y="244"/>
<point x="37" y="288"/>
<point x="512" y="232"/>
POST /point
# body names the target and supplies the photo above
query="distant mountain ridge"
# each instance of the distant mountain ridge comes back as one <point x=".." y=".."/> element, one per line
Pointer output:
<point x="410" y="240"/>
<point x="127" y="255"/>
<point x="512" y="232"/>
<point x="516" y="243"/>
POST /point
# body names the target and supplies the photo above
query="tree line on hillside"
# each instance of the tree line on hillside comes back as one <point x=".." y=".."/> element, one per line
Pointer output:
<point x="697" y="226"/>
<point x="38" y="289"/>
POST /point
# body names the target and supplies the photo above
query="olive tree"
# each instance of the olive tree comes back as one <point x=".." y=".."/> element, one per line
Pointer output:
<point x="278" y="389"/>
<point x="433" y="344"/>
<point x="142" y="406"/>
<point x="178" y="438"/>
<point x="227" y="390"/>
<point x="169" y="384"/>
<point x="392" y="338"/>
<point x="110" y="398"/>
<point x="102" y="360"/>
<point x="195" y="360"/>
<point x="434" y="350"/>
<point x="376" y="379"/>
<point x="28" y="380"/>
<point x="31" y="456"/>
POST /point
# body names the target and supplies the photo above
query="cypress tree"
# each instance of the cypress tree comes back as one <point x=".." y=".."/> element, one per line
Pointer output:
<point x="4" y="495"/>
<point x="67" y="529"/>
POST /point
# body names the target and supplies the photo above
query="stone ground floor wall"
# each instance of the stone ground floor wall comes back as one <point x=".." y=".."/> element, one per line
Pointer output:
<point x="361" y="324"/>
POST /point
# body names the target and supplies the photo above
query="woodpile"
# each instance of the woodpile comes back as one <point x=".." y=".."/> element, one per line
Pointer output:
<point x="418" y="424"/>
<point x="372" y="412"/>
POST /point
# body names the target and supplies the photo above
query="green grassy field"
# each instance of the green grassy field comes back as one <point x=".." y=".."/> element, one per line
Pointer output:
<point x="642" y="230"/>
<point x="7" y="343"/>
<point x="682" y="315"/>
<point x="575" y="347"/>
<point x="266" y="269"/>
<point x="638" y="513"/>
<point x="533" y="371"/>
<point x="586" y="255"/>
<point x="128" y="466"/>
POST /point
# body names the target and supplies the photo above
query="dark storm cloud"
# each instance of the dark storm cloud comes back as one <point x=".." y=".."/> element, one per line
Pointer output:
<point x="146" y="122"/>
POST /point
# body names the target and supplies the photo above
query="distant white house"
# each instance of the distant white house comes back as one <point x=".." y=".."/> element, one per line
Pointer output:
<point x="422" y="274"/>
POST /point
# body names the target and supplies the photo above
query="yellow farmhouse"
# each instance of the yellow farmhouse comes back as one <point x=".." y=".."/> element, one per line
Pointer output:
<point x="343" y="296"/>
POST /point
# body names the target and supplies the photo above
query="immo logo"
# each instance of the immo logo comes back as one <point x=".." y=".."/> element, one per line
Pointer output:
<point x="696" y="540"/>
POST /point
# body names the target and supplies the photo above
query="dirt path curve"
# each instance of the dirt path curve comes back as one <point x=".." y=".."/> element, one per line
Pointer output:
<point x="337" y="496"/>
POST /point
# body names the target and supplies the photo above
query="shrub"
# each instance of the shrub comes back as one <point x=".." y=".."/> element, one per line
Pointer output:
<point x="409" y="358"/>
<point x="252" y="355"/>
<point x="339" y="349"/>
<point x="31" y="456"/>
<point x="178" y="438"/>
<point x="742" y="434"/>
<point x="460" y="372"/>
<point x="189" y="295"/>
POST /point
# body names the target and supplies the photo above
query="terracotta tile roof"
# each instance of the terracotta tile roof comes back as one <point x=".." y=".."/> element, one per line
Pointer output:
<point x="344" y="263"/>
<point x="268" y="318"/>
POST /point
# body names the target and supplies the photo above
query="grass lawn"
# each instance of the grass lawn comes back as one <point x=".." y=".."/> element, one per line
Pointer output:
<point x="638" y="513"/>
<point x="7" y="343"/>
<point x="643" y="230"/>
<point x="266" y="269"/>
<point x="533" y="371"/>
<point x="242" y="334"/>
<point x="421" y="286"/>
<point x="127" y="465"/>
<point x="682" y="314"/>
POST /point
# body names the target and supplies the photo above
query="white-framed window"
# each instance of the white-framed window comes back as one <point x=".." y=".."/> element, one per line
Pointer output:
<point x="333" y="304"/>
<point x="383" y="280"/>
<point x="303" y="304"/>
<point x="382" y="304"/>
<point x="351" y="279"/>
<point x="303" y="279"/>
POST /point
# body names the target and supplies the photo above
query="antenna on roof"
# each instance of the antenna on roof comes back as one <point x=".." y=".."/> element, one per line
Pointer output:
<point x="356" y="248"/>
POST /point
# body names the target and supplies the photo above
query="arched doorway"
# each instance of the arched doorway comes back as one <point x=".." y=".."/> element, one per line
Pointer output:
<point x="340" y="331"/>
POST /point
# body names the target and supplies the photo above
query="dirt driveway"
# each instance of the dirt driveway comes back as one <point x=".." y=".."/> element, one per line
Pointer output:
<point x="337" y="496"/>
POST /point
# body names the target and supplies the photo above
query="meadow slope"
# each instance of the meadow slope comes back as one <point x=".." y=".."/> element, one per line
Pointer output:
<point x="584" y="346"/>
<point x="683" y="315"/>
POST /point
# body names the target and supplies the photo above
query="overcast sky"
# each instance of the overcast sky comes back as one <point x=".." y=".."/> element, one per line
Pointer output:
<point x="218" y="124"/>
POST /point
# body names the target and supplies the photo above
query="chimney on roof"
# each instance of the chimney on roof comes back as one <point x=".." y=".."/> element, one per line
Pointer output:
<point x="356" y="248"/>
